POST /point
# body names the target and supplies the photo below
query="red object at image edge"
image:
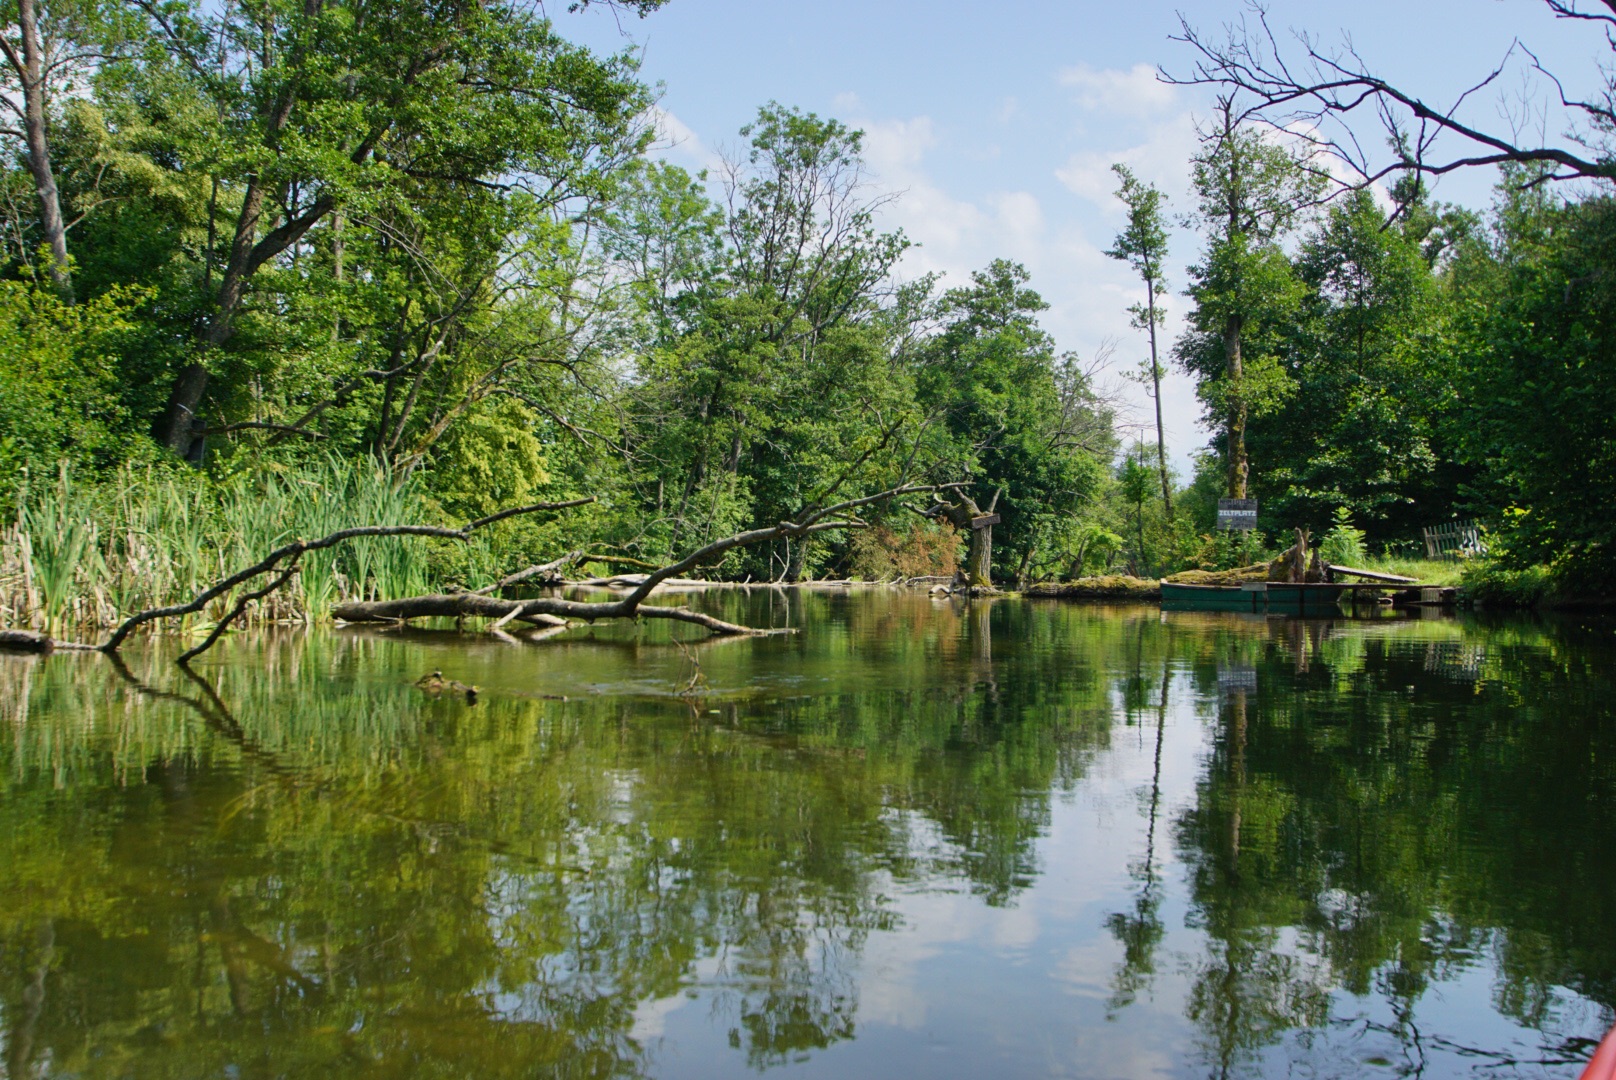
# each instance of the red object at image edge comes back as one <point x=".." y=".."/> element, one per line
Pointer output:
<point x="1603" y="1064"/>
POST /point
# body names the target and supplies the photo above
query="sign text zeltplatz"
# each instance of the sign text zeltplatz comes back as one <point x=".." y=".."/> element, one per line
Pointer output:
<point x="1237" y="514"/>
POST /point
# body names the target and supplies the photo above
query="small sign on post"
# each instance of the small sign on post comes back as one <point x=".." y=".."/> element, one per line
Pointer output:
<point x="1239" y="514"/>
<point x="984" y="521"/>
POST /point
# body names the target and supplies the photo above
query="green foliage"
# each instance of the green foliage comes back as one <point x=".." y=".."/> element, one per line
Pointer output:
<point x="1343" y="545"/>
<point x="1494" y="583"/>
<point x="60" y="390"/>
<point x="1538" y="315"/>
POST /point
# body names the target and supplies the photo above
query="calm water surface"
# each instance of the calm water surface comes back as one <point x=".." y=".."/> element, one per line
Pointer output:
<point x="917" y="839"/>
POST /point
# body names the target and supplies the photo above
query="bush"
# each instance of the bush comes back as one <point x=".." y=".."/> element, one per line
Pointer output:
<point x="1492" y="583"/>
<point x="1343" y="545"/>
<point x="926" y="549"/>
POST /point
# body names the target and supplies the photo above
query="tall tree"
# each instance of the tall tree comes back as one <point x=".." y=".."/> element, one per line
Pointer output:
<point x="1250" y="192"/>
<point x="47" y="44"/>
<point x="1011" y="416"/>
<point x="1142" y="244"/>
<point x="367" y="105"/>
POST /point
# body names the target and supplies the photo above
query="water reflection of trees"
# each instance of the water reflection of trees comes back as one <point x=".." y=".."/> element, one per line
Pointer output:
<point x="1385" y="810"/>
<point x="306" y="864"/>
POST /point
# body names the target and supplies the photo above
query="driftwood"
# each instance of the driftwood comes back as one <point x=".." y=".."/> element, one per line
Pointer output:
<point x="288" y="554"/>
<point x="546" y="572"/>
<point x="25" y="641"/>
<point x="31" y="641"/>
<point x="632" y="605"/>
<point x="540" y="612"/>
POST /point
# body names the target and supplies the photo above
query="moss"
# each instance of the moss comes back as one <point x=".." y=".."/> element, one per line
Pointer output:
<point x="1109" y="587"/>
<point x="1239" y="574"/>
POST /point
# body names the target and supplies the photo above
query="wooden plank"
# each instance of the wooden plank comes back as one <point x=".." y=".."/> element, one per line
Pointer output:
<point x="984" y="521"/>
<point x="1374" y="575"/>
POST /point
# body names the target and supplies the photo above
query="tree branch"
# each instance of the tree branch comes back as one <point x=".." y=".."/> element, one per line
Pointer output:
<point x="297" y="548"/>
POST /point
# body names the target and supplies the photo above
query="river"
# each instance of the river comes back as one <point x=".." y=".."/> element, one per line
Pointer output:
<point x="917" y="838"/>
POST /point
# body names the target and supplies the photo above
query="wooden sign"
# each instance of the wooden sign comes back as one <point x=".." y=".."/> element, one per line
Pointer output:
<point x="1238" y="514"/>
<point x="984" y="521"/>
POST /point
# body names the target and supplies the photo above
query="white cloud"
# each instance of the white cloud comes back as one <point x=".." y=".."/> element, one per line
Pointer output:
<point x="897" y="146"/>
<point x="1161" y="159"/>
<point x="676" y="142"/>
<point x="1135" y="92"/>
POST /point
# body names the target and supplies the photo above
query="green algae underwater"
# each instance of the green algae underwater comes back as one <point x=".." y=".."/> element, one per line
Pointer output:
<point x="918" y="837"/>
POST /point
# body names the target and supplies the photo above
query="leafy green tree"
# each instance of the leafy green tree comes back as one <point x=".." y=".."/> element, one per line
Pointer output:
<point x="1250" y="193"/>
<point x="1537" y="311"/>
<point x="1134" y="484"/>
<point x="313" y="114"/>
<point x="1142" y="244"/>
<point x="992" y="378"/>
<point x="47" y="46"/>
<point x="1365" y="428"/>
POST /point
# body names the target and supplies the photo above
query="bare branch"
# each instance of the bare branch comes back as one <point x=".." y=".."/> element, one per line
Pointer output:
<point x="297" y="548"/>
<point x="1319" y="99"/>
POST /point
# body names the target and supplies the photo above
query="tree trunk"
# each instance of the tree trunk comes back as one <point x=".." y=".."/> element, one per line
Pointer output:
<point x="979" y="558"/>
<point x="796" y="558"/>
<point x="1239" y="467"/>
<point x="178" y="426"/>
<point x="979" y="549"/>
<point x="1155" y="378"/>
<point x="30" y="67"/>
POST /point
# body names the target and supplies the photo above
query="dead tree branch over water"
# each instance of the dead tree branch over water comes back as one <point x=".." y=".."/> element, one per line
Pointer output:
<point x="290" y="553"/>
<point x="630" y="606"/>
<point x="282" y="564"/>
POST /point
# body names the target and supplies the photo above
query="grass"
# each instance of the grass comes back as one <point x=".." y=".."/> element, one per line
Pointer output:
<point x="1425" y="571"/>
<point x="82" y="557"/>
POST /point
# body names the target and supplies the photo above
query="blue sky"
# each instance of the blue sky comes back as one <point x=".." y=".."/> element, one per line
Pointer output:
<point x="998" y="123"/>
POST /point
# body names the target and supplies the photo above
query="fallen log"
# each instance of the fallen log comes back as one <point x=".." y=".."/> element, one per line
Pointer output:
<point x="25" y="641"/>
<point x="640" y="586"/>
<point x="31" y="641"/>
<point x="291" y="553"/>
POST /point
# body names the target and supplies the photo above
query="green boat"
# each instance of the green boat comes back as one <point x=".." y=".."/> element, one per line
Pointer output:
<point x="1275" y="596"/>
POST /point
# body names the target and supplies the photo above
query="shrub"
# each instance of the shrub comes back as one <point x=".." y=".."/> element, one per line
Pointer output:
<point x="1343" y="545"/>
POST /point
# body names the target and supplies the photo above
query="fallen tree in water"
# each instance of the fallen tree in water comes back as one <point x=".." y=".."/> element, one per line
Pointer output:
<point x="552" y="610"/>
<point x="283" y="562"/>
<point x="281" y="565"/>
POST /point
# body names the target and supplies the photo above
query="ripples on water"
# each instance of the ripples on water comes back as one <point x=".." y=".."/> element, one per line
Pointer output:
<point x="918" y="838"/>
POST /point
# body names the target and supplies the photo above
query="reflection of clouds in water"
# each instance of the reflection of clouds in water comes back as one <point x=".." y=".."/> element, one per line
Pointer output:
<point x="891" y="986"/>
<point x="651" y="1015"/>
<point x="1085" y="969"/>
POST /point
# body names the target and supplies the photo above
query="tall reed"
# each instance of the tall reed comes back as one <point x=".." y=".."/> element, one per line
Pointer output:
<point x="81" y="556"/>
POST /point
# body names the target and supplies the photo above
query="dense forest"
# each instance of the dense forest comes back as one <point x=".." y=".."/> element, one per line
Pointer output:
<point x="271" y="266"/>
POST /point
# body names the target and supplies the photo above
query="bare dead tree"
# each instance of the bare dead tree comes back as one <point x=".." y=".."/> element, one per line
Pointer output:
<point x="1323" y="96"/>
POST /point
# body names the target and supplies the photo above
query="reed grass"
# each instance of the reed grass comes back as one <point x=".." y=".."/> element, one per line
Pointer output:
<point x="81" y="557"/>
